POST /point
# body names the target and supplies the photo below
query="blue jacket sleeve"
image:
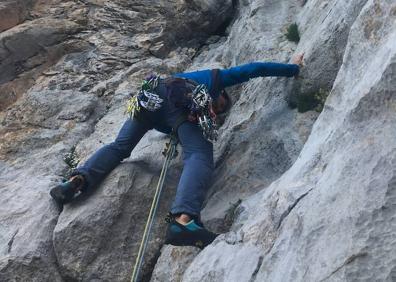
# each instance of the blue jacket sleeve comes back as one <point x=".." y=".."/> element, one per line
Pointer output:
<point x="243" y="73"/>
<point x="235" y="75"/>
<point x="201" y="77"/>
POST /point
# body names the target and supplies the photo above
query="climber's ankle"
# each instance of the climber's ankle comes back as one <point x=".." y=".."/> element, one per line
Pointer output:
<point x="77" y="182"/>
<point x="183" y="218"/>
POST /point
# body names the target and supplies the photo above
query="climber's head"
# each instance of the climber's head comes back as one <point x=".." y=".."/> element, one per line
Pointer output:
<point x="222" y="104"/>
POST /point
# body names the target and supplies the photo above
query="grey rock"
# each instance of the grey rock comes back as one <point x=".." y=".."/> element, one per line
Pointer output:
<point x="98" y="237"/>
<point x="21" y="43"/>
<point x="300" y="205"/>
<point x="27" y="215"/>
<point x="262" y="136"/>
<point x="324" y="28"/>
<point x="238" y="263"/>
<point x="26" y="228"/>
<point x="39" y="126"/>
<point x="328" y="217"/>
<point x="172" y="263"/>
<point x="41" y="119"/>
<point x="13" y="13"/>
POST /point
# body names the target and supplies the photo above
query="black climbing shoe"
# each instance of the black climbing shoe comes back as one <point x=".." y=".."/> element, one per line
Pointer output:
<point x="65" y="192"/>
<point x="191" y="234"/>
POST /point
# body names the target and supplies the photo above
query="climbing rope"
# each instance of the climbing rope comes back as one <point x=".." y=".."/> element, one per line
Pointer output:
<point x="169" y="152"/>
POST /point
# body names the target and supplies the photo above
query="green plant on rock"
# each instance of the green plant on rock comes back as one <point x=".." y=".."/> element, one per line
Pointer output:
<point x="312" y="101"/>
<point x="292" y="33"/>
<point x="231" y="213"/>
<point x="71" y="159"/>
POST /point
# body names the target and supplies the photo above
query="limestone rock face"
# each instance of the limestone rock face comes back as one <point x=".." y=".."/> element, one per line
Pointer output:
<point x="172" y="263"/>
<point x="298" y="196"/>
<point x="27" y="40"/>
<point x="66" y="69"/>
<point x="36" y="132"/>
<point x="13" y="13"/>
<point x="329" y="217"/>
<point x="108" y="225"/>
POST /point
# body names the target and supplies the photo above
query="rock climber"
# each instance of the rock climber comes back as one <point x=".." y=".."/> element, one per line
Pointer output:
<point x="167" y="106"/>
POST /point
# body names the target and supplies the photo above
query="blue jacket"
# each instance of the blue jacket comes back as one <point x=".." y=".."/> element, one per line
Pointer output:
<point x="216" y="80"/>
<point x="239" y="74"/>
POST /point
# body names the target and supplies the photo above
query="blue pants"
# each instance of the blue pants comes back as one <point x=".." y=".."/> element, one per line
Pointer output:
<point x="197" y="158"/>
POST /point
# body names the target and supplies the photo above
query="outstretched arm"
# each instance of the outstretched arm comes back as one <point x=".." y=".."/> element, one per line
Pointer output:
<point x="200" y="77"/>
<point x="216" y="80"/>
<point x="243" y="73"/>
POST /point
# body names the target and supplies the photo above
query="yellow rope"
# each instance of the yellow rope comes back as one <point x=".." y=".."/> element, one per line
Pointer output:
<point x="143" y="245"/>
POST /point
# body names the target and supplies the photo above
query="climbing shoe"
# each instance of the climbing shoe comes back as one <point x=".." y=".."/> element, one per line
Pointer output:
<point x="191" y="234"/>
<point x="65" y="192"/>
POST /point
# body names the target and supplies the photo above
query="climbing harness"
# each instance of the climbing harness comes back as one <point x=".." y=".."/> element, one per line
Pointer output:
<point x="203" y="113"/>
<point x="180" y="93"/>
<point x="170" y="153"/>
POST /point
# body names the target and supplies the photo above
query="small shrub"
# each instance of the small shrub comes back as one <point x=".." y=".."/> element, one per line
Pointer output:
<point x="71" y="159"/>
<point x="292" y="33"/>
<point x="312" y="101"/>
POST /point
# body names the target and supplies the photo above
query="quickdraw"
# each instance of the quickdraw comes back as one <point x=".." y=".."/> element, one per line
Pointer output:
<point x="132" y="106"/>
<point x="150" y="101"/>
<point x="202" y="112"/>
<point x="146" y="96"/>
